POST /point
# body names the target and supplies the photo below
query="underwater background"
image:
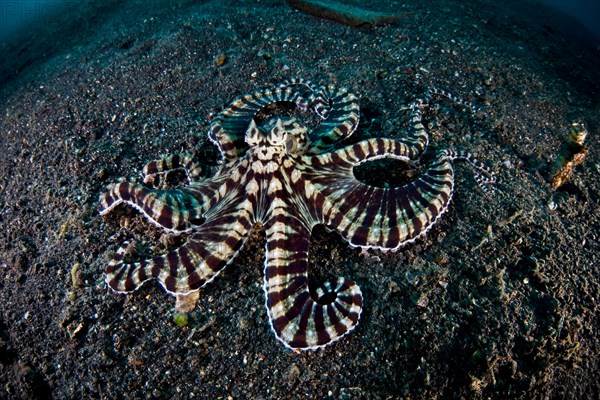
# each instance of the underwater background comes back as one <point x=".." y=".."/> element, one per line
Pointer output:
<point x="499" y="300"/>
<point x="17" y="16"/>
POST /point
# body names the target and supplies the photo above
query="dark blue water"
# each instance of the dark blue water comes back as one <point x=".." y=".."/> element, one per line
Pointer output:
<point x="20" y="15"/>
<point x="585" y="11"/>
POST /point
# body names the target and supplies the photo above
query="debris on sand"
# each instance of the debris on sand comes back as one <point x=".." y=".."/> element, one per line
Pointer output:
<point x="185" y="303"/>
<point x="345" y="13"/>
<point x="572" y="153"/>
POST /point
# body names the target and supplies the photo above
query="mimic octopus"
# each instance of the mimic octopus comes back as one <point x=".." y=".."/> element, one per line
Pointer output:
<point x="276" y="171"/>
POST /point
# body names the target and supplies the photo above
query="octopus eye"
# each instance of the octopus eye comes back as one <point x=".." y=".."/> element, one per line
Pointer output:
<point x="291" y="145"/>
<point x="296" y="144"/>
<point x="296" y="140"/>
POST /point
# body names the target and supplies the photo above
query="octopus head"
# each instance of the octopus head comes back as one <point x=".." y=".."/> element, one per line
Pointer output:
<point x="283" y="136"/>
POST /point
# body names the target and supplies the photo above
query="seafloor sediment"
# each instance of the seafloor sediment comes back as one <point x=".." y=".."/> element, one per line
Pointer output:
<point x="499" y="300"/>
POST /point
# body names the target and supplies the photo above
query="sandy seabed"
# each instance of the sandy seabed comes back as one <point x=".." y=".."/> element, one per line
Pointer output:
<point x="498" y="301"/>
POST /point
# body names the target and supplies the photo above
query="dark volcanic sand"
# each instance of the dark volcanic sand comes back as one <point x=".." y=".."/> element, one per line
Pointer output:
<point x="498" y="301"/>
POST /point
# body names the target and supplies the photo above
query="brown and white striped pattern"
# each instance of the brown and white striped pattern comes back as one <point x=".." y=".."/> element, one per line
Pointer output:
<point x="163" y="166"/>
<point x="189" y="267"/>
<point x="341" y="118"/>
<point x="301" y="317"/>
<point x="338" y="108"/>
<point x="374" y="217"/>
<point x="228" y="129"/>
<point x="172" y="210"/>
<point x="289" y="179"/>
<point x="416" y="137"/>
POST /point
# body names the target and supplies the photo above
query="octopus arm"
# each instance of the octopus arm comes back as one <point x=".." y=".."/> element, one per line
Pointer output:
<point x="176" y="210"/>
<point x="185" y="269"/>
<point x="163" y="166"/>
<point x="375" y="217"/>
<point x="301" y="317"/>
<point x="340" y="112"/>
